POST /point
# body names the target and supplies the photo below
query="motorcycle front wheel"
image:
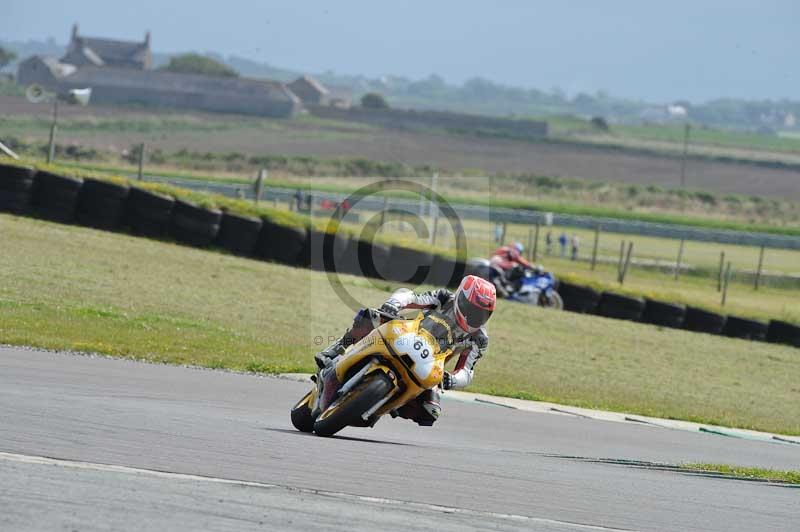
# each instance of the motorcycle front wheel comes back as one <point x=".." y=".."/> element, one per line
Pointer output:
<point x="301" y="414"/>
<point x="347" y="409"/>
<point x="555" y="301"/>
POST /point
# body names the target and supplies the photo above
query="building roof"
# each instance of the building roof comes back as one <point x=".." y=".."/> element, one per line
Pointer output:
<point x="178" y="82"/>
<point x="312" y="83"/>
<point x="100" y="51"/>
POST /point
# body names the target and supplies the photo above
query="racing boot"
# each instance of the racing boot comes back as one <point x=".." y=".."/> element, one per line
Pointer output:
<point x="325" y="357"/>
<point x="424" y="410"/>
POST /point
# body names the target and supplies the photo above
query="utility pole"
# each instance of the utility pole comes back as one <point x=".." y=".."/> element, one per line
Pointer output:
<point x="686" y="130"/>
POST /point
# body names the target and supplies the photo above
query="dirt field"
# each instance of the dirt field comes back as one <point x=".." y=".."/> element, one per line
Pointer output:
<point x="307" y="136"/>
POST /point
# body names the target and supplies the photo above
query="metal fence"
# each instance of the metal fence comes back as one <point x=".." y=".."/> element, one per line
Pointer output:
<point x="517" y="216"/>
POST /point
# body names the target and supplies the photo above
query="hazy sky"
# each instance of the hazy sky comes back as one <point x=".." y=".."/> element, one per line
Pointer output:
<point x="650" y="50"/>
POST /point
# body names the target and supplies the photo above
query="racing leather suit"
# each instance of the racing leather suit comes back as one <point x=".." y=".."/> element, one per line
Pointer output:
<point x="507" y="257"/>
<point x="468" y="347"/>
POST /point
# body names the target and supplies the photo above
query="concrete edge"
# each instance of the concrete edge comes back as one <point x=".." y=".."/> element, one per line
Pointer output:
<point x="542" y="407"/>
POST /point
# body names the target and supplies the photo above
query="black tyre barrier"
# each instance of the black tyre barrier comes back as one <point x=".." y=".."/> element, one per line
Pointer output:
<point x="239" y="234"/>
<point x="409" y="265"/>
<point x="620" y="307"/>
<point x="102" y="204"/>
<point x="373" y="260"/>
<point x="323" y="251"/>
<point x="194" y="225"/>
<point x="781" y="332"/>
<point x="280" y="243"/>
<point x="699" y="320"/>
<point x="736" y="327"/>
<point x="446" y="272"/>
<point x="55" y="197"/>
<point x="16" y="188"/>
<point x="578" y="298"/>
<point x="149" y="213"/>
<point x="663" y="314"/>
<point x="347" y="262"/>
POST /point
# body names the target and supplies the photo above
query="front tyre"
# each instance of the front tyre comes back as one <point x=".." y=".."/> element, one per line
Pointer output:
<point x="347" y="409"/>
<point x="555" y="301"/>
<point x="301" y="414"/>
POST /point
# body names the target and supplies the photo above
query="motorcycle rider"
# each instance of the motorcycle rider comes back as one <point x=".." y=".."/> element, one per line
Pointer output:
<point x="465" y="313"/>
<point x="509" y="260"/>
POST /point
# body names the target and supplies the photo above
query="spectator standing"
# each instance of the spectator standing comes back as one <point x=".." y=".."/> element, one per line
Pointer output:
<point x="309" y="202"/>
<point x="575" y="242"/>
<point x="562" y="241"/>
<point x="298" y="200"/>
<point x="548" y="240"/>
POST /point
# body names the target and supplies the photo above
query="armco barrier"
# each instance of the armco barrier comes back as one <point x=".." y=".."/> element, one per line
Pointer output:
<point x="16" y="188"/>
<point x="239" y="234"/>
<point x="148" y="213"/>
<point x="194" y="225"/>
<point x="102" y="204"/>
<point x="152" y="214"/>
<point x="55" y="197"/>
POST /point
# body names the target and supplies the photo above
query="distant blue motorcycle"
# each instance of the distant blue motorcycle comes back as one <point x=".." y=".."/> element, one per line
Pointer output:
<point x="536" y="289"/>
<point x="520" y="284"/>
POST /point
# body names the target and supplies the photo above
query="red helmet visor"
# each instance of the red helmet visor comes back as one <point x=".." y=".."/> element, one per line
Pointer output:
<point x="475" y="316"/>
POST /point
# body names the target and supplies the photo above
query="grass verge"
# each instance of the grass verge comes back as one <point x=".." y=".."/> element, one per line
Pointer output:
<point x="756" y="473"/>
<point x="67" y="287"/>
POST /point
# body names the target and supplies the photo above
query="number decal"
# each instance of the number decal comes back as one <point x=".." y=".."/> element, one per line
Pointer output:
<point x="419" y="350"/>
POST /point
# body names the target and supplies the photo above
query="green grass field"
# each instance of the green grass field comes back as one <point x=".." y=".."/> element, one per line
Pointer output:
<point x="70" y="287"/>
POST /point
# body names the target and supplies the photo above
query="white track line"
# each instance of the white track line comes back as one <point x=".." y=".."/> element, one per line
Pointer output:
<point x="76" y="464"/>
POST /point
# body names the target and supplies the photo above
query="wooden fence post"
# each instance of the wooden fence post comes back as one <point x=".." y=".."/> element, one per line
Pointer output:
<point x="760" y="265"/>
<point x="621" y="259"/>
<point x="259" y="184"/>
<point x="721" y="268"/>
<point x="725" y="284"/>
<point x="503" y="234"/>
<point x="594" y="248"/>
<point x="627" y="263"/>
<point x="680" y="259"/>
<point x="140" y="174"/>
<point x="534" y="253"/>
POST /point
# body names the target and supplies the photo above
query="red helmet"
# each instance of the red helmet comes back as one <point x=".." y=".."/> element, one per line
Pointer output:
<point x="474" y="303"/>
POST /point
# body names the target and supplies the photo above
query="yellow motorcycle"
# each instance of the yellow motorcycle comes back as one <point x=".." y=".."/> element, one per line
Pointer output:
<point x="389" y="367"/>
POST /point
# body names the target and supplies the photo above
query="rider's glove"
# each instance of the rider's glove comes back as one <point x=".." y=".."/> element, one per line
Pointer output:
<point x="390" y="307"/>
<point x="448" y="381"/>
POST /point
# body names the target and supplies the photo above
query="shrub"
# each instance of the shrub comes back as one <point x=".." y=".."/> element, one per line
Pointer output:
<point x="374" y="100"/>
<point x="199" y="64"/>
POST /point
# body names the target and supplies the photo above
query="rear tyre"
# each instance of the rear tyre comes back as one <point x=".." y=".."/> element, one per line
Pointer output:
<point x="301" y="415"/>
<point x="347" y="409"/>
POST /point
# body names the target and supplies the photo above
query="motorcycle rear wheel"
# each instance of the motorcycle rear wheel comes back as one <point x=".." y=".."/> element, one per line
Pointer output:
<point x="347" y="409"/>
<point x="301" y="415"/>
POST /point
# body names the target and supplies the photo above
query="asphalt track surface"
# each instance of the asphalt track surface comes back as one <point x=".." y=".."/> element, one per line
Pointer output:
<point x="210" y="450"/>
